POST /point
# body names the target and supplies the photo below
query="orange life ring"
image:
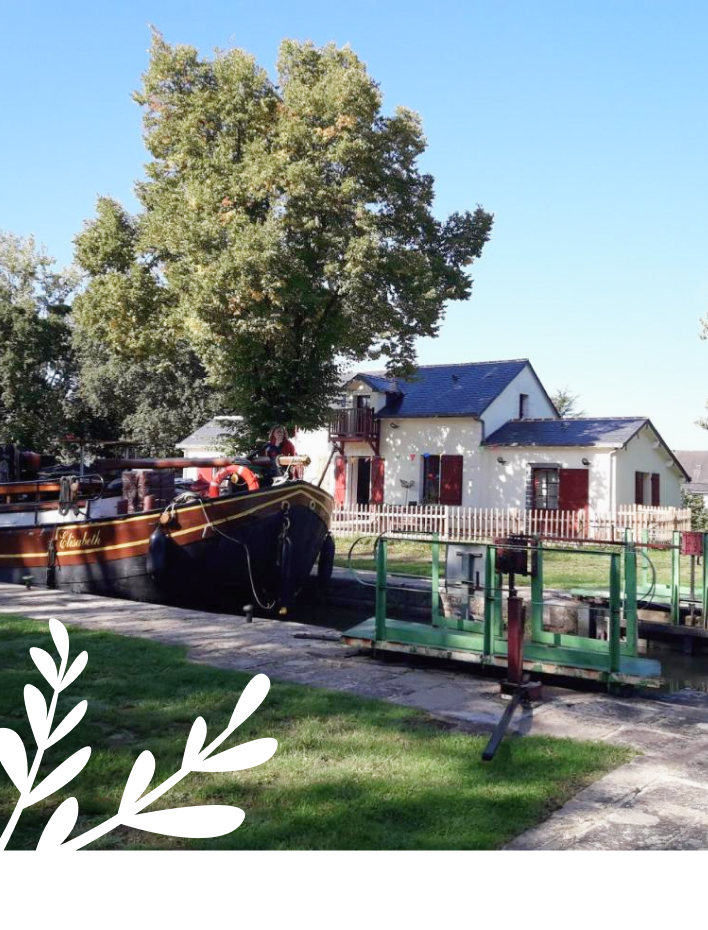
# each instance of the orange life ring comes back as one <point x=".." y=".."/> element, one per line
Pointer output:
<point x="242" y="471"/>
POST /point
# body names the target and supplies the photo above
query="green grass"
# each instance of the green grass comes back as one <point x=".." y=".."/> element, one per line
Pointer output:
<point x="349" y="773"/>
<point x="404" y="558"/>
<point x="572" y="568"/>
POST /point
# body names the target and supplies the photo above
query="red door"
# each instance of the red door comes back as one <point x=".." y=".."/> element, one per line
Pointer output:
<point x="340" y="480"/>
<point x="451" y="480"/>
<point x="574" y="489"/>
<point x="378" y="467"/>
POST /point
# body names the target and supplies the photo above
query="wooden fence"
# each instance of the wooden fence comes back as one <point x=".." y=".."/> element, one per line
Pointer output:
<point x="476" y="523"/>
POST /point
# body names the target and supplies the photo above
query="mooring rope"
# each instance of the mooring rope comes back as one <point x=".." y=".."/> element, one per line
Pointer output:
<point x="189" y="496"/>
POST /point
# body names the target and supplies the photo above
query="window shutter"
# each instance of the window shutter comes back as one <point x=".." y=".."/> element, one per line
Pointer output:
<point x="574" y="491"/>
<point x="378" y="467"/>
<point x="639" y="487"/>
<point x="340" y="479"/>
<point x="655" y="491"/>
<point x="451" y="480"/>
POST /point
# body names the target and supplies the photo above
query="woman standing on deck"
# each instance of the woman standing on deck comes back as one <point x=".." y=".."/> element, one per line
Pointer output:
<point x="278" y="444"/>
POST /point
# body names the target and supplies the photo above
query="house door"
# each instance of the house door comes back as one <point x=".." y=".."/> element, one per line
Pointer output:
<point x="363" y="480"/>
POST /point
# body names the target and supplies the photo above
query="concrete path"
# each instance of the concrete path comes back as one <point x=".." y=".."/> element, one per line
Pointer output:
<point x="658" y="801"/>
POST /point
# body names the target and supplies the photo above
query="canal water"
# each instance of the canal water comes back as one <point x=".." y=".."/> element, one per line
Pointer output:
<point x="679" y="670"/>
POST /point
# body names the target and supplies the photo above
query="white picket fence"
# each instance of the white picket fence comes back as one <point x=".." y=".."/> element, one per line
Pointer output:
<point x="476" y="523"/>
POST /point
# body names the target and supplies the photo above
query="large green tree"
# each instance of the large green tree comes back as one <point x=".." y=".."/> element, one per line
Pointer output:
<point x="287" y="227"/>
<point x="139" y="378"/>
<point x="37" y="370"/>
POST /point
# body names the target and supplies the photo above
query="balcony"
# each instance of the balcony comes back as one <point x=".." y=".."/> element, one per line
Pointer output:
<point x="355" y="424"/>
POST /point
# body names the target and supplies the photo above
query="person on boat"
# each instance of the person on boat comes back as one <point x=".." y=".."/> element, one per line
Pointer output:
<point x="278" y="444"/>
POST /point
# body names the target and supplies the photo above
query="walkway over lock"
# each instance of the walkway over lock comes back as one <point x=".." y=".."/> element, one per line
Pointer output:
<point x="467" y="621"/>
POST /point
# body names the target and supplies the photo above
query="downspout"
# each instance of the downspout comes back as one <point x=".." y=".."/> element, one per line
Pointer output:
<point x="613" y="481"/>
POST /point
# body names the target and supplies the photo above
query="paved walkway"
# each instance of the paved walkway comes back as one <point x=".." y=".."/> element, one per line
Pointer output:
<point x="657" y="801"/>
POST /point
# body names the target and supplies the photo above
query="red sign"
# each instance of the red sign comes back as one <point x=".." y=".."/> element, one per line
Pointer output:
<point x="691" y="543"/>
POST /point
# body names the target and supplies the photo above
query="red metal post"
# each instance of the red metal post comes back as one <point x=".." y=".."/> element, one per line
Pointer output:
<point x="515" y="640"/>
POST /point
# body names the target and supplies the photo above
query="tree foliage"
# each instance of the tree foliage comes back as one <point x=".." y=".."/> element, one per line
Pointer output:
<point x="566" y="403"/>
<point x="139" y="379"/>
<point x="286" y="229"/>
<point x="697" y="505"/>
<point x="37" y="369"/>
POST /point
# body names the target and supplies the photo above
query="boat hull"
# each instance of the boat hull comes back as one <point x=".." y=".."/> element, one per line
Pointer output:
<point x="259" y="546"/>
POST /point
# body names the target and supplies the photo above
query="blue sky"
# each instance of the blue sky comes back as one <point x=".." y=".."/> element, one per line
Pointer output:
<point x="581" y="125"/>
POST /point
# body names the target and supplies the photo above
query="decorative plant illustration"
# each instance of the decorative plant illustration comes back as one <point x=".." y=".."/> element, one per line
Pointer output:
<point x="195" y="822"/>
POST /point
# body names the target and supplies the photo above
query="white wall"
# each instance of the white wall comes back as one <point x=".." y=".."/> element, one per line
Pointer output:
<point x="355" y="388"/>
<point x="403" y="449"/>
<point x="315" y="443"/>
<point x="505" y="407"/>
<point x="194" y="452"/>
<point x="505" y="485"/>
<point x="645" y="453"/>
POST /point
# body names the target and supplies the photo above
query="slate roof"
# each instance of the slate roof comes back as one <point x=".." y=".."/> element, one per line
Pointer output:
<point x="209" y="435"/>
<point x="464" y="390"/>
<point x="580" y="431"/>
<point x="696" y="464"/>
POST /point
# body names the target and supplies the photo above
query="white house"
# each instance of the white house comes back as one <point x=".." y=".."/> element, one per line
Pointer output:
<point x="483" y="434"/>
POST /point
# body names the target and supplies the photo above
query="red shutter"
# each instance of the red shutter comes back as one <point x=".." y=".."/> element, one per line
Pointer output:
<point x="451" y="479"/>
<point x="574" y="489"/>
<point x="655" y="491"/>
<point x="340" y="479"/>
<point x="378" y="467"/>
<point x="639" y="487"/>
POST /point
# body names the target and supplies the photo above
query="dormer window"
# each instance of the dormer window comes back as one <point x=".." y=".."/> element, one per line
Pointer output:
<point x="523" y="406"/>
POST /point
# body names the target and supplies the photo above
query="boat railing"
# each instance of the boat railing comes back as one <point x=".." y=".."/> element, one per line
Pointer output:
<point x="69" y="488"/>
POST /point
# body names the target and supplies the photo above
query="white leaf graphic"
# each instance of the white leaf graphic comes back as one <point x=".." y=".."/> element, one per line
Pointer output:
<point x="45" y="663"/>
<point x="68" y="723"/>
<point x="13" y="757"/>
<point x="36" y="713"/>
<point x="60" y="825"/>
<point x="138" y="780"/>
<point x="60" y="637"/>
<point x="196" y="822"/>
<point x="195" y="742"/>
<point x="76" y="668"/>
<point x="246" y="756"/>
<point x="61" y="776"/>
<point x="251" y="699"/>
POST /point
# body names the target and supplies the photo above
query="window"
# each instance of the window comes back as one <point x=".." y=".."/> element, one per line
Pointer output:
<point x="647" y="488"/>
<point x="442" y="479"/>
<point x="545" y="484"/>
<point x="523" y="406"/>
<point x="363" y="400"/>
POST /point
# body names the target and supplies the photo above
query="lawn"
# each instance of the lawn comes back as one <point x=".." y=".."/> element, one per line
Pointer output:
<point x="349" y="773"/>
<point x="571" y="568"/>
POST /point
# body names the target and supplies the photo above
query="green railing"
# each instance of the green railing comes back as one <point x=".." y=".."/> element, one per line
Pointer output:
<point x="483" y="636"/>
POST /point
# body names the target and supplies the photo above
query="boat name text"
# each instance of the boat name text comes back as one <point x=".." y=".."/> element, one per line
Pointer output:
<point x="69" y="539"/>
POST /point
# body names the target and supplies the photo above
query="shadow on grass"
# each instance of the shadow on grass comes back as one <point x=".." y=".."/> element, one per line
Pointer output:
<point x="349" y="773"/>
